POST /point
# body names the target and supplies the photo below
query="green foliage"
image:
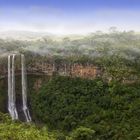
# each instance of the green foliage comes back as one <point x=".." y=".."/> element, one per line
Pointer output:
<point x="64" y="103"/>
<point x="112" y="110"/>
<point x="60" y="136"/>
<point x="10" y="130"/>
<point x="83" y="133"/>
<point x="67" y="101"/>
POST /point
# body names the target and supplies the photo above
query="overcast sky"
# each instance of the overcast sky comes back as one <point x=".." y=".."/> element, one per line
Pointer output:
<point x="69" y="16"/>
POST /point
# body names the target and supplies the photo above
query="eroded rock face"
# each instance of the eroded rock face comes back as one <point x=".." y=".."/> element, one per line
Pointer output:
<point x="74" y="70"/>
<point x="49" y="67"/>
<point x="64" y="69"/>
<point x="85" y="71"/>
<point x="37" y="84"/>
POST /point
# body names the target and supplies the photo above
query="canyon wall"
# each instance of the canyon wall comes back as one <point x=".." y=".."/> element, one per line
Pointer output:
<point x="64" y="69"/>
<point x="74" y="70"/>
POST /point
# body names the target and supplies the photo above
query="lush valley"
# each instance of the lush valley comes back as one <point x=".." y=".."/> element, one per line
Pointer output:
<point x="74" y="108"/>
<point x="85" y="109"/>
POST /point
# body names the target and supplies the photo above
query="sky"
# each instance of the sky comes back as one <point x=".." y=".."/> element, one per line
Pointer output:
<point x="69" y="16"/>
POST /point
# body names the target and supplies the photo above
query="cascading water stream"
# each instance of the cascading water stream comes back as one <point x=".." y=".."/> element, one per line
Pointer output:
<point x="9" y="85"/>
<point x="11" y="88"/>
<point x="24" y="90"/>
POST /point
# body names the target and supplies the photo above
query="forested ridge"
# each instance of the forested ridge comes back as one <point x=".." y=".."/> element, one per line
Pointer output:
<point x="72" y="108"/>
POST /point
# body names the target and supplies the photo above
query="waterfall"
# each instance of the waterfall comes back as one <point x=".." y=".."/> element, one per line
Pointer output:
<point x="11" y="88"/>
<point x="24" y="90"/>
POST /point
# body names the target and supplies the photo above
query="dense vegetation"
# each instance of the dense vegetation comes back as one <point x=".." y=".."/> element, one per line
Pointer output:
<point x="79" y="109"/>
<point x="118" y="53"/>
<point x="92" y="45"/>
<point x="10" y="130"/>
<point x="106" y="111"/>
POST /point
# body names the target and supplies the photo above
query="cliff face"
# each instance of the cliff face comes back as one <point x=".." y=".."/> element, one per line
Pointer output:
<point x="74" y="70"/>
<point x="89" y="71"/>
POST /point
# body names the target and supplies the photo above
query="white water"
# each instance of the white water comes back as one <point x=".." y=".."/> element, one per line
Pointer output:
<point x="24" y="90"/>
<point x="11" y="88"/>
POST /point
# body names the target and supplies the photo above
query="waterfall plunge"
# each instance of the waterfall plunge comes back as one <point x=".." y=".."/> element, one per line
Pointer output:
<point x="24" y="90"/>
<point x="11" y="88"/>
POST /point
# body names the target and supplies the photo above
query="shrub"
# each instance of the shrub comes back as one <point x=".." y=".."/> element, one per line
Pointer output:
<point x="83" y="133"/>
<point x="10" y="130"/>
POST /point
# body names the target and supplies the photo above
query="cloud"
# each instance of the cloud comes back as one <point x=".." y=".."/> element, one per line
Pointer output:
<point x="49" y="19"/>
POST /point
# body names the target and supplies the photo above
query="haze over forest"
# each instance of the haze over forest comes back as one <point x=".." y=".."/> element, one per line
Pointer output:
<point x="91" y="44"/>
<point x="69" y="70"/>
